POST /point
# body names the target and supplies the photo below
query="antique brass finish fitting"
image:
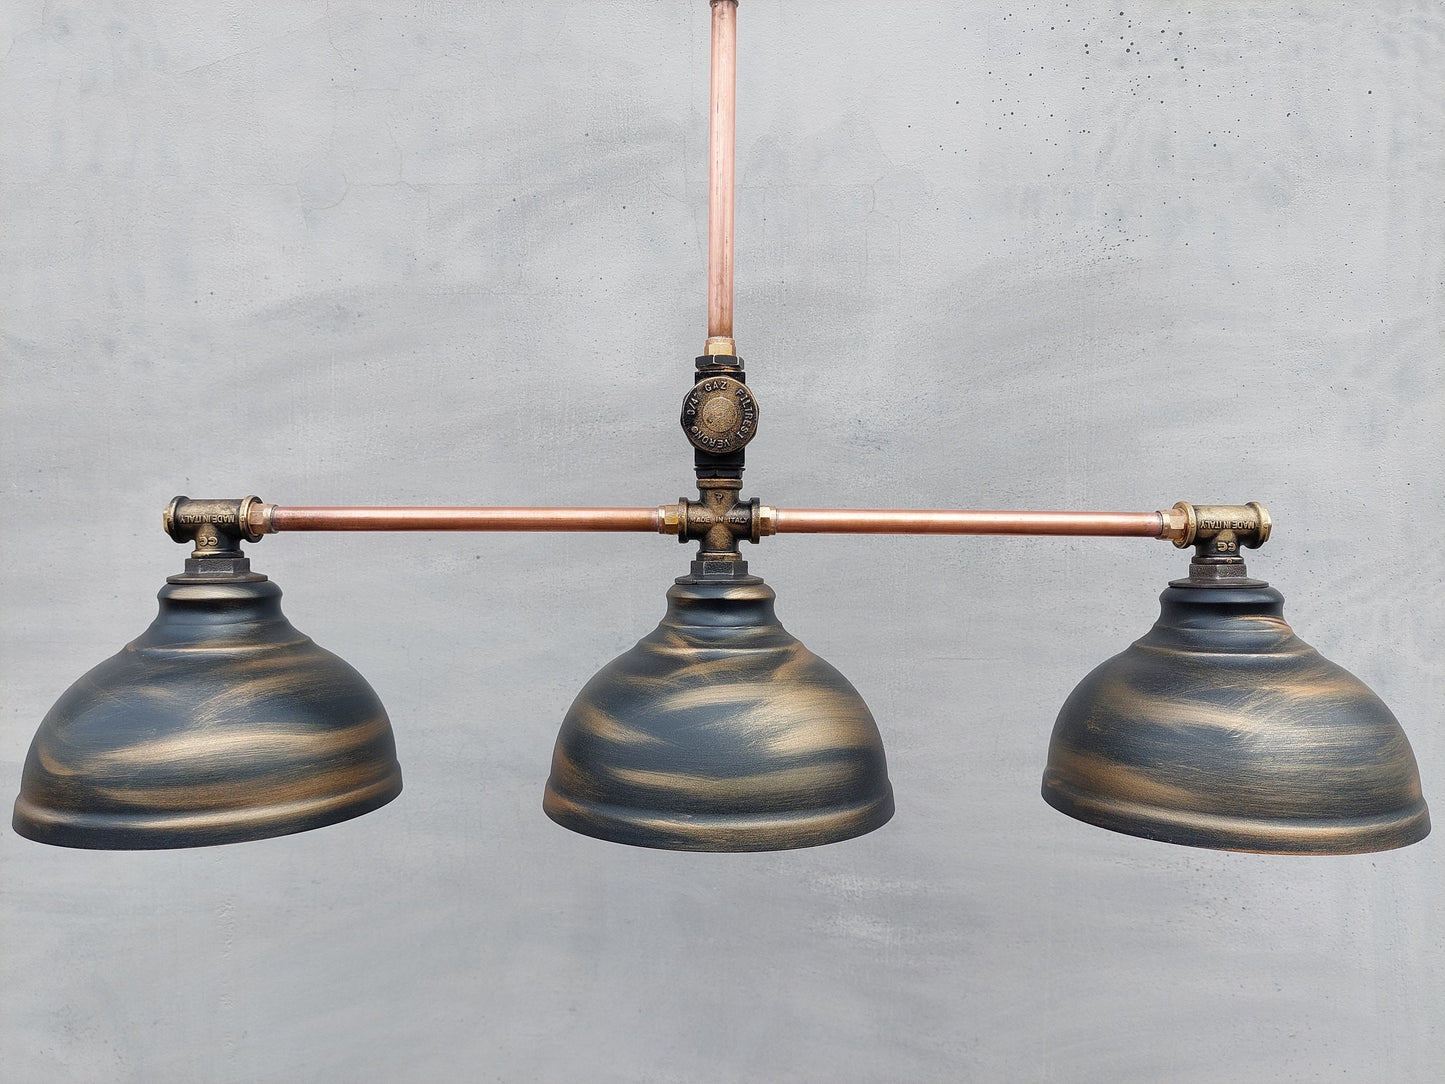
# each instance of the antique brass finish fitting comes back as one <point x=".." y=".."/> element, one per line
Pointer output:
<point x="1178" y="524"/>
<point x="217" y="528"/>
<point x="672" y="517"/>
<point x="1218" y="532"/>
<point x="720" y="520"/>
<point x="1219" y="529"/>
<point x="767" y="521"/>
<point x="719" y="415"/>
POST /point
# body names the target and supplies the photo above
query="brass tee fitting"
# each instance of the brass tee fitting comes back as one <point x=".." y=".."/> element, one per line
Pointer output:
<point x="1217" y="530"/>
<point x="216" y="526"/>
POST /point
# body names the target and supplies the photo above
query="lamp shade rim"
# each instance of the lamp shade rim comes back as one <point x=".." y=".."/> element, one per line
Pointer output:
<point x="167" y="830"/>
<point x="772" y="831"/>
<point x="1331" y="834"/>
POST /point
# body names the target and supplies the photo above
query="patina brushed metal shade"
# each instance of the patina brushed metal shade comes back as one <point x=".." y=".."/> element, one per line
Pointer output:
<point x="1221" y="728"/>
<point x="220" y="723"/>
<point x="719" y="732"/>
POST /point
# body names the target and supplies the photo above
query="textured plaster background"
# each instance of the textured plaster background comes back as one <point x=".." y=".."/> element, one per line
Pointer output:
<point x="989" y="255"/>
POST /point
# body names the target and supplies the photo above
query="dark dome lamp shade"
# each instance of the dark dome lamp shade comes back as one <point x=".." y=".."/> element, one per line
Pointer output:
<point x="1221" y="728"/>
<point x="220" y="723"/>
<point x="719" y="732"/>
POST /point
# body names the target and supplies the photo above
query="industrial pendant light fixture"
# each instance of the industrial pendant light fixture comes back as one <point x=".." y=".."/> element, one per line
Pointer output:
<point x="1222" y="728"/>
<point x="220" y="723"/>
<point x="719" y="731"/>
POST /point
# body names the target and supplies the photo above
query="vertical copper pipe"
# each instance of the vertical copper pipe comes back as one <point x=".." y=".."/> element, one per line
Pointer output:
<point x="721" y="128"/>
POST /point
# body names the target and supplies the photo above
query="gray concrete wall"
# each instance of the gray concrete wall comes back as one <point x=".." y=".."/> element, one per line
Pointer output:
<point x="989" y="255"/>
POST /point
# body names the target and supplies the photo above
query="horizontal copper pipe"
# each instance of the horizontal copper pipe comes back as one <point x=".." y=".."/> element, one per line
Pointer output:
<point x="934" y="521"/>
<point x="271" y="518"/>
<point x="278" y="518"/>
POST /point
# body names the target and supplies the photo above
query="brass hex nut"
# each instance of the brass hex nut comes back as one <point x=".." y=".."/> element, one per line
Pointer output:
<point x="671" y="518"/>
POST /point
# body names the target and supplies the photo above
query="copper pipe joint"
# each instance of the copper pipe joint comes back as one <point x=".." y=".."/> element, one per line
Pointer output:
<point x="185" y="518"/>
<point x="1245" y="525"/>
